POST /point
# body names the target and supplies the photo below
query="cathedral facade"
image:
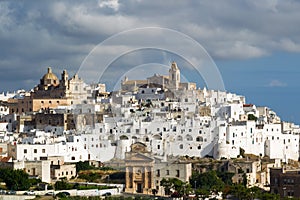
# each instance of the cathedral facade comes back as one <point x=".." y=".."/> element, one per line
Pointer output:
<point x="51" y="93"/>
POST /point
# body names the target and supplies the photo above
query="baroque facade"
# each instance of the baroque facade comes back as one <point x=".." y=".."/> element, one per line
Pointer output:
<point x="51" y="93"/>
<point x="144" y="172"/>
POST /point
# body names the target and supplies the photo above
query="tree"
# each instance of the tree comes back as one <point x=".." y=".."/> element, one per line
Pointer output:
<point x="180" y="188"/>
<point x="15" y="179"/>
<point x="252" y="117"/>
<point x="167" y="185"/>
<point x="239" y="191"/>
<point x="208" y="181"/>
<point x="226" y="177"/>
<point x="63" y="185"/>
<point x="83" y="166"/>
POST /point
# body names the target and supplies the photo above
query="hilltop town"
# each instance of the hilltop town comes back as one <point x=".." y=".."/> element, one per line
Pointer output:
<point x="154" y="128"/>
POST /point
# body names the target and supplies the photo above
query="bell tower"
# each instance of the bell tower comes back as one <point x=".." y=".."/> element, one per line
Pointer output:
<point x="64" y="79"/>
<point x="174" y="76"/>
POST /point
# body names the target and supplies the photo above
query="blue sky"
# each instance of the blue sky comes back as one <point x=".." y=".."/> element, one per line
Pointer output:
<point x="254" y="43"/>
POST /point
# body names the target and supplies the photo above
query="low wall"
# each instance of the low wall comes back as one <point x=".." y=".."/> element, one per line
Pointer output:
<point x="16" y="197"/>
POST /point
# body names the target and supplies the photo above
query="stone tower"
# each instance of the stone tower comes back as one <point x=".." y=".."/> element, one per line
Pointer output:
<point x="174" y="76"/>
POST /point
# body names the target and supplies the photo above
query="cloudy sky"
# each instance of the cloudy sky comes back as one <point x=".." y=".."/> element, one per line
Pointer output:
<point x="255" y="44"/>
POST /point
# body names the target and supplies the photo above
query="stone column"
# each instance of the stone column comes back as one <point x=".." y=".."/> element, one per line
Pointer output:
<point x="127" y="177"/>
<point x="146" y="178"/>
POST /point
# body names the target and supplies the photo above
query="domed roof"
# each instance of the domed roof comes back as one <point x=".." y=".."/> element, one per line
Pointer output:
<point x="50" y="78"/>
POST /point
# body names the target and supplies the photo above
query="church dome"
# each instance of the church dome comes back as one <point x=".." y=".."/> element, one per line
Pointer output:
<point x="50" y="78"/>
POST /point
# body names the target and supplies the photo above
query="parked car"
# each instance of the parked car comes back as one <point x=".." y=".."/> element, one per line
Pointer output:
<point x="62" y="194"/>
<point x="2" y="192"/>
<point x="106" y="194"/>
<point x="29" y="192"/>
<point x="11" y="192"/>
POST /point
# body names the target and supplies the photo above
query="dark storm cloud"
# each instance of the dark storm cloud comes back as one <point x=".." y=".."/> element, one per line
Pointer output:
<point x="37" y="34"/>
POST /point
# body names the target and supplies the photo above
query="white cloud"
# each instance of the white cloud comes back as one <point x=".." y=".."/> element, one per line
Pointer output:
<point x="241" y="50"/>
<point x="113" y="4"/>
<point x="289" y="45"/>
<point x="62" y="33"/>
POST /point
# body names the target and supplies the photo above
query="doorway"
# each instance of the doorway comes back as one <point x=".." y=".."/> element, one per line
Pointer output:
<point x="139" y="188"/>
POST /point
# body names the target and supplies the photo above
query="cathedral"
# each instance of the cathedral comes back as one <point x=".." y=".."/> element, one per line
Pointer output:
<point x="51" y="93"/>
<point x="171" y="82"/>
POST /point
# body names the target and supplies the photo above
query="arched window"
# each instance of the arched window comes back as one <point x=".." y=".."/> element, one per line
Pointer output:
<point x="123" y="137"/>
<point x="181" y="146"/>
<point x="157" y="137"/>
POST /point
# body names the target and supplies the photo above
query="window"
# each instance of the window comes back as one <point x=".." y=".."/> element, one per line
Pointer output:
<point x="35" y="151"/>
<point x="158" y="173"/>
<point x="177" y="173"/>
<point x="189" y="138"/>
<point x="181" y="146"/>
<point x="158" y="146"/>
<point x="167" y="172"/>
<point x="25" y="150"/>
<point x="43" y="150"/>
